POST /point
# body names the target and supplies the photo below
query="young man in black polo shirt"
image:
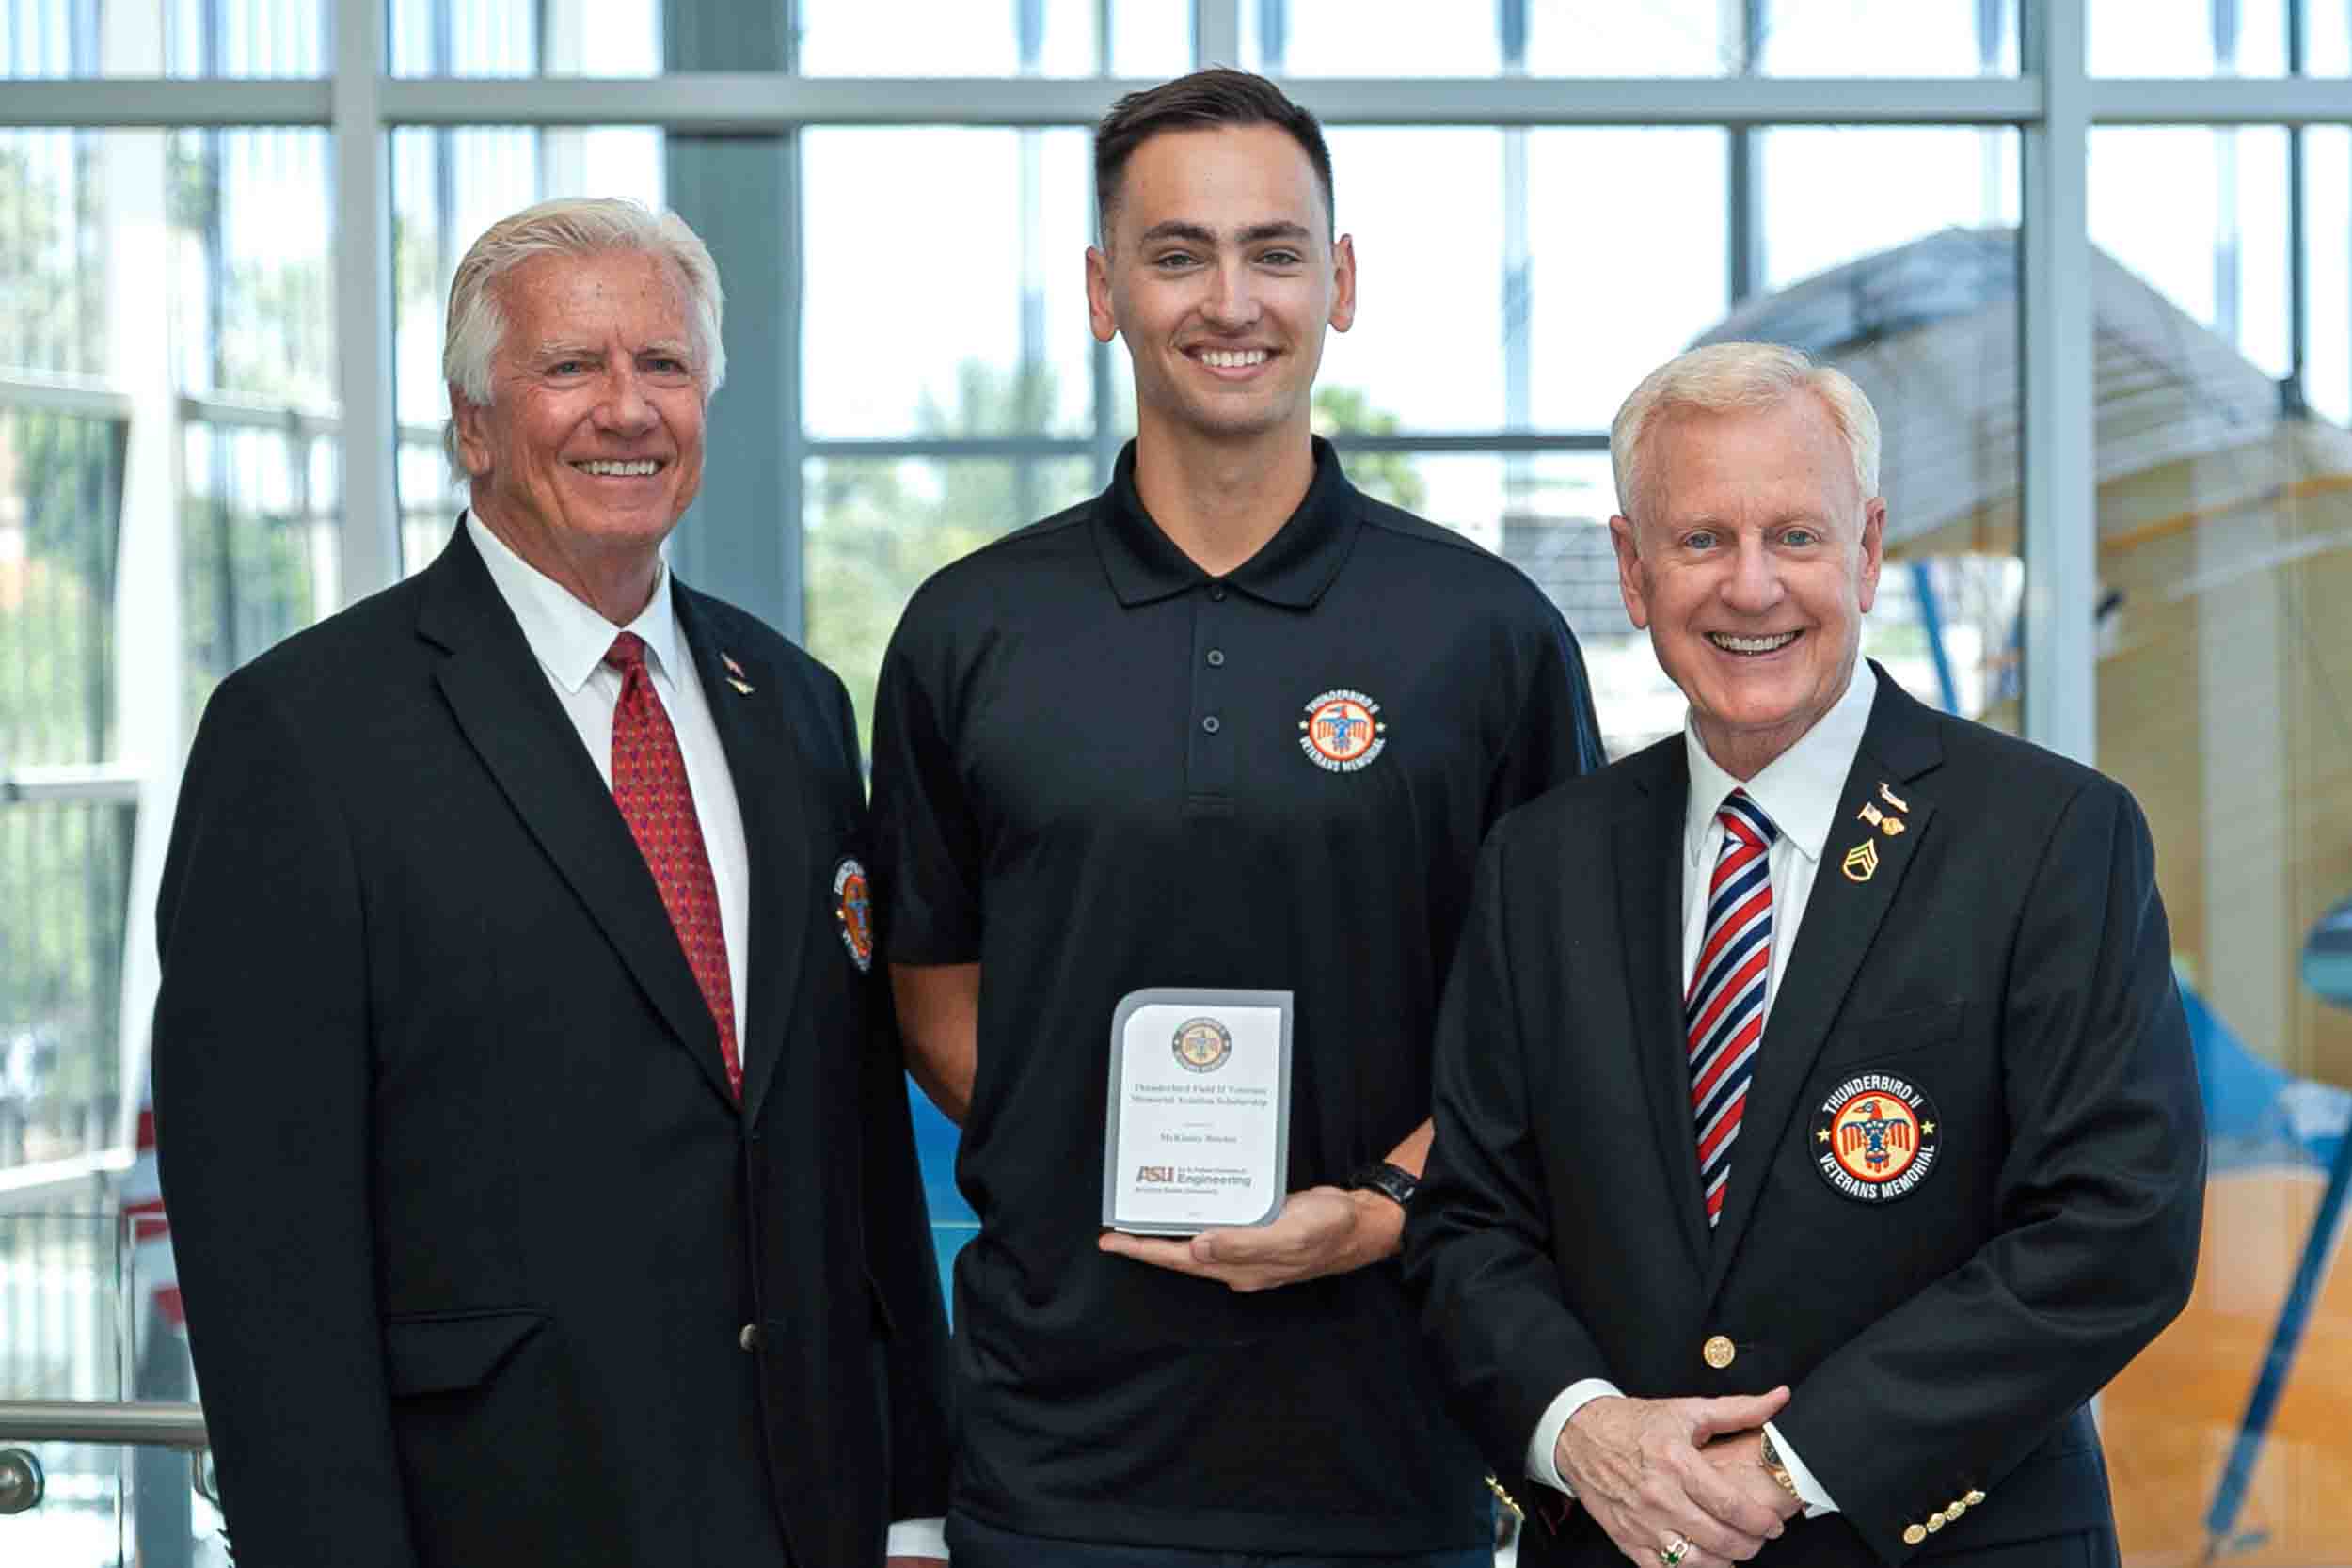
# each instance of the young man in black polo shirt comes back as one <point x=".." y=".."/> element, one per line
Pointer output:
<point x="1230" y="725"/>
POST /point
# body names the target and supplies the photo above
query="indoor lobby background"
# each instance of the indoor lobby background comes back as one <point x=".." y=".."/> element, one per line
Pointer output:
<point x="2092" y="260"/>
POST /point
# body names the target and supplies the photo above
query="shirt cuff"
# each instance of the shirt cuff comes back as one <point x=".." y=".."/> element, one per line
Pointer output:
<point x="1816" y="1496"/>
<point x="916" y="1538"/>
<point x="1554" y="1421"/>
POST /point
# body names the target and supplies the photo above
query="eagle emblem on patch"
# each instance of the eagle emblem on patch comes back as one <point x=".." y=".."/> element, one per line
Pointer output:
<point x="1874" y="1138"/>
<point x="1202" y="1044"/>
<point x="854" y="911"/>
<point x="1343" y="731"/>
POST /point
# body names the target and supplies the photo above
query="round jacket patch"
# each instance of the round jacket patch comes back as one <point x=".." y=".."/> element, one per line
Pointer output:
<point x="854" y="911"/>
<point x="1343" y="731"/>
<point x="1874" y="1138"/>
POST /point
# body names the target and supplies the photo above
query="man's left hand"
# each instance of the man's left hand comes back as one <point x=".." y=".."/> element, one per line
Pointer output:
<point x="1322" y="1230"/>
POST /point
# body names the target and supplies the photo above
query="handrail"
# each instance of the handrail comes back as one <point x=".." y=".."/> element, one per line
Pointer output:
<point x="152" y="1424"/>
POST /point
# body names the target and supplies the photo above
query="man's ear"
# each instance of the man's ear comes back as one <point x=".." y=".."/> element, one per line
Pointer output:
<point x="1099" y="312"/>
<point x="1630" y="580"/>
<point x="1344" y="284"/>
<point x="473" y="433"/>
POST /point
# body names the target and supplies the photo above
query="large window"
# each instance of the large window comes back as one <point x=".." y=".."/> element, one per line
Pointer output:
<point x="2089" y="257"/>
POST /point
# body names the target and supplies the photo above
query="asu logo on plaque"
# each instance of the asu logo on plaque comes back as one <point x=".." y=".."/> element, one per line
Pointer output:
<point x="1202" y="1044"/>
<point x="854" y="911"/>
<point x="1874" y="1138"/>
<point x="1343" y="731"/>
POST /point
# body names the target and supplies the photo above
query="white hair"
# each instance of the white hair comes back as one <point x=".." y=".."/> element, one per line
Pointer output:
<point x="571" y="226"/>
<point x="1724" y="376"/>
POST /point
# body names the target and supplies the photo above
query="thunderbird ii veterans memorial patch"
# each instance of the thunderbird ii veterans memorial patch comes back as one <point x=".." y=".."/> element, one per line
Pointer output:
<point x="1343" y="731"/>
<point x="854" y="911"/>
<point x="1874" y="1138"/>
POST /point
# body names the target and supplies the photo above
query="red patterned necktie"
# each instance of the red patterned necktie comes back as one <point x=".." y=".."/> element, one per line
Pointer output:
<point x="1723" y="1012"/>
<point x="649" y="786"/>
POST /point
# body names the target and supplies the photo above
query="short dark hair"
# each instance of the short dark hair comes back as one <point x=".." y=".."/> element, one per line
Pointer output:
<point x="1205" y="99"/>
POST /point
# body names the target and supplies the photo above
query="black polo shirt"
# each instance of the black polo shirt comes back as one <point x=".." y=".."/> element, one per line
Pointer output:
<point x="1097" y="769"/>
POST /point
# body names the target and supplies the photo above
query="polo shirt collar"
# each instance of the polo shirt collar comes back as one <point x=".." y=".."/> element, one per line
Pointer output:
<point x="1291" y="569"/>
<point x="568" y="638"/>
<point x="1799" y="789"/>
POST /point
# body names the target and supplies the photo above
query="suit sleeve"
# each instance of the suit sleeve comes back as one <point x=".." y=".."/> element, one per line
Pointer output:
<point x="1478" y="1236"/>
<point x="912" y="1354"/>
<point x="2099" y="1203"/>
<point x="1556" y="737"/>
<point x="262" y="1066"/>
<point x="925" y="842"/>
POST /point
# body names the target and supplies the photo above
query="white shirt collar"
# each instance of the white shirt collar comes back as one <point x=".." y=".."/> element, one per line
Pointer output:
<point x="568" y="637"/>
<point x="1800" y="788"/>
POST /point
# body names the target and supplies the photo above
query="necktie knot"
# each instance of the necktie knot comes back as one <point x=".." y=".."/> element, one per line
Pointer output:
<point x="1745" y="820"/>
<point x="627" y="653"/>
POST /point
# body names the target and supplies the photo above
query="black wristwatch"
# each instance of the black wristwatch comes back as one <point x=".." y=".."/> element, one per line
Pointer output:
<point x="1393" y="1182"/>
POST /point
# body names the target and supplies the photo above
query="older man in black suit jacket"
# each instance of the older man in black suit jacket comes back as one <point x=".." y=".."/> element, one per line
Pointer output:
<point x="1822" y="1266"/>
<point x="530" y="1113"/>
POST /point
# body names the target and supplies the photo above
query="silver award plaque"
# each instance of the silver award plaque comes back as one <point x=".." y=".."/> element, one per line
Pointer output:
<point x="1197" y="1134"/>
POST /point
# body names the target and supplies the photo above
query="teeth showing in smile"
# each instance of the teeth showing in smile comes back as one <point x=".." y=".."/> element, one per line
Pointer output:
<point x="1233" y="360"/>
<point x="619" y="470"/>
<point x="1751" y="644"/>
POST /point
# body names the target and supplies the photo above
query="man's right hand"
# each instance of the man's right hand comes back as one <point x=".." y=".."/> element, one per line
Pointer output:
<point x="1637" y="1469"/>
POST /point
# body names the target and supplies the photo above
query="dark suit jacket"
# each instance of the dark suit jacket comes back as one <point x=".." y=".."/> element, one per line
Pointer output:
<point x="483" y="1264"/>
<point x="2009" y="956"/>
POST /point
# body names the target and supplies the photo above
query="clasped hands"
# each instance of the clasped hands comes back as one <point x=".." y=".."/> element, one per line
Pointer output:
<point x="1651" y="1471"/>
<point x="1321" y="1230"/>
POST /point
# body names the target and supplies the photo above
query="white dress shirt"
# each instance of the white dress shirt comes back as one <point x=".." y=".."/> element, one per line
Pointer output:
<point x="1799" y="791"/>
<point x="570" y="640"/>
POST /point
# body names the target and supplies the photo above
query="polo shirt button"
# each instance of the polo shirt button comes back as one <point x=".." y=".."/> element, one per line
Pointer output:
<point x="1216" y="591"/>
<point x="1211" y="724"/>
<point x="749" y="1338"/>
<point x="1216" y="657"/>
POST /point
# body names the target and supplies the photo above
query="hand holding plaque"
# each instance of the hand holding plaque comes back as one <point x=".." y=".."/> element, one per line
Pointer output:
<point x="1198" y="1126"/>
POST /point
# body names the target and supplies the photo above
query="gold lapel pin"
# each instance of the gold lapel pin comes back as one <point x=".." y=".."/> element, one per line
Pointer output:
<point x="1862" y="860"/>
<point x="735" y="677"/>
<point x="1891" y="797"/>
<point x="739" y="686"/>
<point x="1891" y="826"/>
<point x="1870" y="814"/>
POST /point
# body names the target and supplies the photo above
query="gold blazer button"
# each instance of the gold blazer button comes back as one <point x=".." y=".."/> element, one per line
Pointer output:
<point x="1914" y="1534"/>
<point x="1720" y="1351"/>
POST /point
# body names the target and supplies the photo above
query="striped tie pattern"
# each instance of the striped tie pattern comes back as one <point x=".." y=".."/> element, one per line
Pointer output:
<point x="1723" y="1013"/>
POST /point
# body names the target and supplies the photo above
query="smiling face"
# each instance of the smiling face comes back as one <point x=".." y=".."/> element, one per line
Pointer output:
<point x="1220" y="272"/>
<point x="1751" y="561"/>
<point x="590" y="445"/>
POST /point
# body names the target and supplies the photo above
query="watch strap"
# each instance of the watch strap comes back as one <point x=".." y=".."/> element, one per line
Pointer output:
<point x="1391" y="1181"/>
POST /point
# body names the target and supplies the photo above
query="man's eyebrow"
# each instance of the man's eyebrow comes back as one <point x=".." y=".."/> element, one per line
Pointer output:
<point x="1182" y="228"/>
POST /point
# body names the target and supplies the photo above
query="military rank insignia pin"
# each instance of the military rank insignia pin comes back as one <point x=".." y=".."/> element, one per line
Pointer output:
<point x="1862" y="862"/>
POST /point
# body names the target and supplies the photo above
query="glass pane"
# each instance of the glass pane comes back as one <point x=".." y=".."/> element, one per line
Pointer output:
<point x="162" y="38"/>
<point x="60" y="503"/>
<point x="2327" y="41"/>
<point x="914" y="38"/>
<point x="1599" y="314"/>
<point x="2327" y="269"/>
<point x="1920" y="181"/>
<point x="448" y="186"/>
<point x="1669" y="38"/>
<point x="53" y="272"/>
<point x="2216" y="246"/>
<point x="959" y="313"/>
<point x="2192" y="37"/>
<point x="1869" y="38"/>
<point x="527" y="37"/>
<point x="65" y="869"/>
<point x="260" y="535"/>
<point x="1426" y="209"/>
<point x="1150" y="38"/>
<point x="250" y="262"/>
<point x="875" y="528"/>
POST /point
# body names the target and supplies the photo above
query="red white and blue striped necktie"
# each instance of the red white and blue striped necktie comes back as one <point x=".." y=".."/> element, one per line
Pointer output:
<point x="1723" y="1012"/>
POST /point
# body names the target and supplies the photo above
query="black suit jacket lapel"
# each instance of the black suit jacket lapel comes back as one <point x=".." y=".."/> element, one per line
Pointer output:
<point x="510" y="715"/>
<point x="770" y="772"/>
<point x="1648" y="852"/>
<point x="1842" y="917"/>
